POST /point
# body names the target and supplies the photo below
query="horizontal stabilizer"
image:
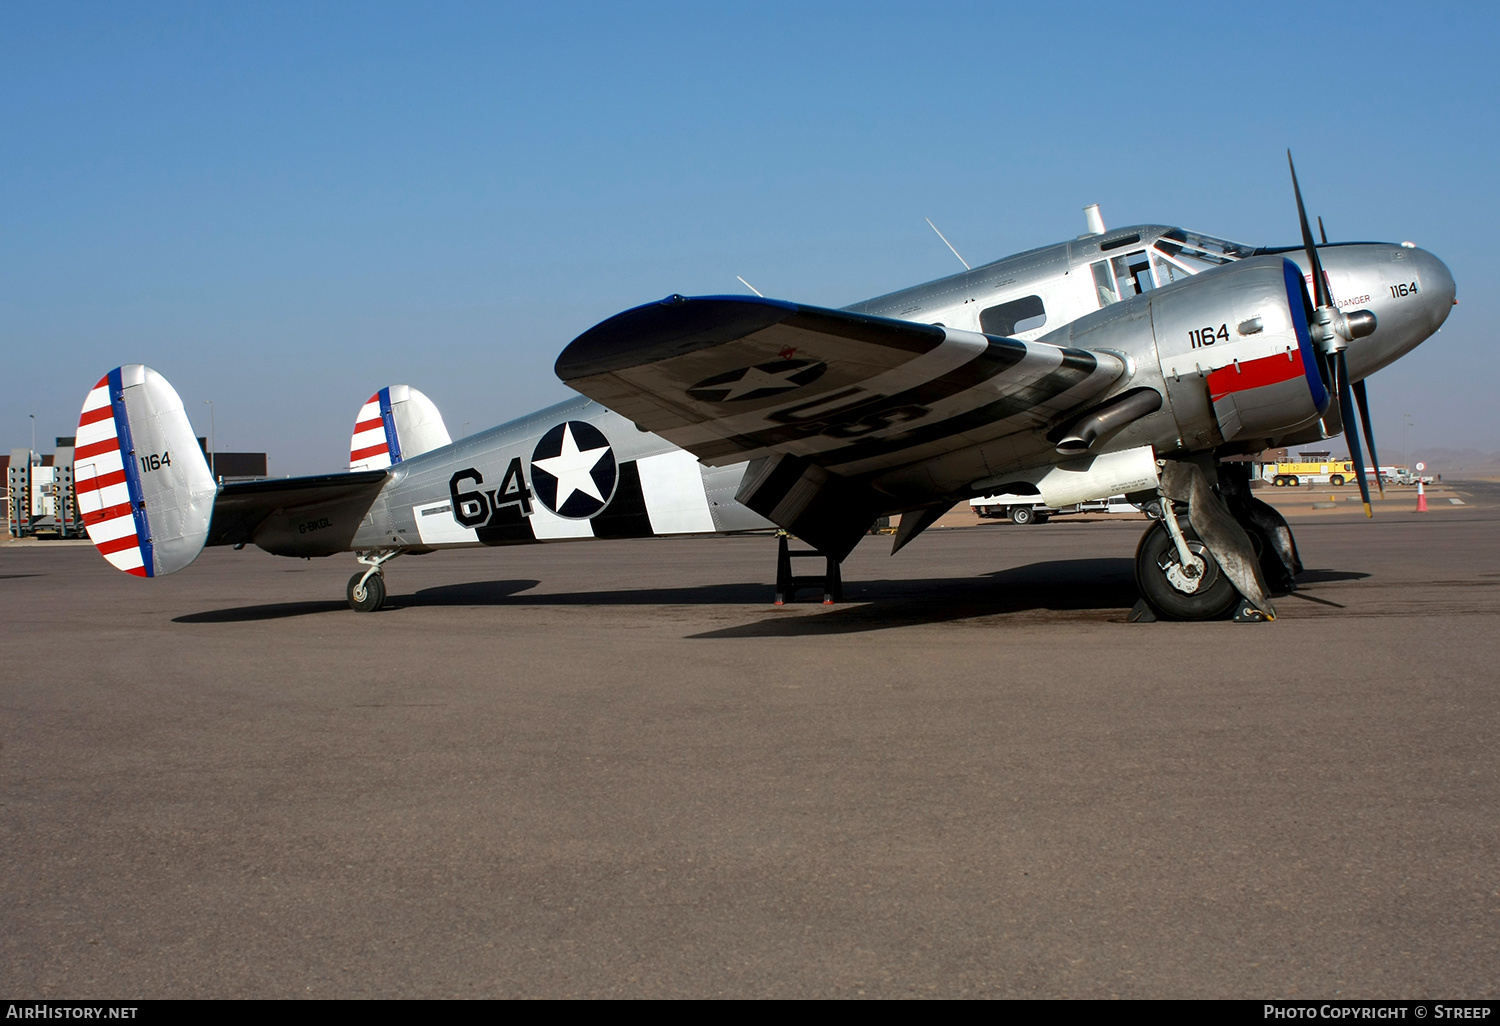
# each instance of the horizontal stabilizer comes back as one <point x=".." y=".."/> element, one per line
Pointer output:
<point x="145" y="492"/>
<point x="243" y="506"/>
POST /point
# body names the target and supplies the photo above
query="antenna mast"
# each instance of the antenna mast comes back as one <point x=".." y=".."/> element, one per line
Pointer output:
<point x="947" y="243"/>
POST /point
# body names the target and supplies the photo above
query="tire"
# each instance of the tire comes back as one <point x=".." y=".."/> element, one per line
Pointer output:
<point x="1337" y="480"/>
<point x="1293" y="482"/>
<point x="1021" y="515"/>
<point x="1156" y="556"/>
<point x="1278" y="481"/>
<point x="369" y="597"/>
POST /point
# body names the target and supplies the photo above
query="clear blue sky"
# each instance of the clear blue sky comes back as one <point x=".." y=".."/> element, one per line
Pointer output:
<point x="283" y="208"/>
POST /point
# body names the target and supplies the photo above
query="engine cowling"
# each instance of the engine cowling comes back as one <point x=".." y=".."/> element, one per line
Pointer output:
<point x="1236" y="354"/>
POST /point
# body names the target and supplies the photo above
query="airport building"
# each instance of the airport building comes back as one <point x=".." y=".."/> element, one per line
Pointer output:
<point x="40" y="499"/>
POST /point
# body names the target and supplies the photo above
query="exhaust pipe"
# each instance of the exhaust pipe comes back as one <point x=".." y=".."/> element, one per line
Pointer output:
<point x="1108" y="420"/>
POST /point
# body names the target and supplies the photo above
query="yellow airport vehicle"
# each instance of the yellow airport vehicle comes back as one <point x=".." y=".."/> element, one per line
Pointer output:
<point x="1291" y="473"/>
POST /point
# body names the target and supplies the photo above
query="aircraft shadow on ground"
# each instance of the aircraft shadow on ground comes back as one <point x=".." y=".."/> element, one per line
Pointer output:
<point x="1077" y="585"/>
<point x="1080" y="584"/>
<point x="1086" y="585"/>
<point x="1325" y="576"/>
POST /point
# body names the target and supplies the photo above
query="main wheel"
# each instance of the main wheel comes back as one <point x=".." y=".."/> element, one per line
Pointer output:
<point x="1021" y="515"/>
<point x="1179" y="592"/>
<point x="368" y="596"/>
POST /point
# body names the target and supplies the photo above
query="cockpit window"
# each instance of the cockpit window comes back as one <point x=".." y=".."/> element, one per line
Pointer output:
<point x="1122" y="277"/>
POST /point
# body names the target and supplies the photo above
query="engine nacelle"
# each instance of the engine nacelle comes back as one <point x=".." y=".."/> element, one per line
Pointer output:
<point x="1236" y="348"/>
<point x="1232" y="355"/>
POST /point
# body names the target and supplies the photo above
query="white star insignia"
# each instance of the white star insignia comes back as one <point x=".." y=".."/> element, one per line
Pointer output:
<point x="755" y="379"/>
<point x="573" y="468"/>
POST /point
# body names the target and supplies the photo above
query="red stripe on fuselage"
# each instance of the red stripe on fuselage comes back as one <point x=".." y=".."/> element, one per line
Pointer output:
<point x="1268" y="370"/>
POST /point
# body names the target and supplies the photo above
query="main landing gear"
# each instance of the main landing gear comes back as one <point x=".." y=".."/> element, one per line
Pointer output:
<point x="1219" y="562"/>
<point x="366" y="591"/>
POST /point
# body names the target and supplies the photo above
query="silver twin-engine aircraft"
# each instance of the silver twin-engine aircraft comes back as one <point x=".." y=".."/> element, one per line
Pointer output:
<point x="1129" y="361"/>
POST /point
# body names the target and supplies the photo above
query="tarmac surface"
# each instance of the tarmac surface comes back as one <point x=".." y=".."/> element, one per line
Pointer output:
<point x="614" y="769"/>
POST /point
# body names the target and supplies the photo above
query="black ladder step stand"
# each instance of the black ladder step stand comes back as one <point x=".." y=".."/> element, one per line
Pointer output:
<point x="787" y="583"/>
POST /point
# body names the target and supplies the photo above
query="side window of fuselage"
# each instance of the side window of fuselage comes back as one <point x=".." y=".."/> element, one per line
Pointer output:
<point x="1013" y="318"/>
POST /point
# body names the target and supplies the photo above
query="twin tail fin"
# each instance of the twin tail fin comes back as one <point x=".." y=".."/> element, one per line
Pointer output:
<point x="145" y="492"/>
<point x="395" y="424"/>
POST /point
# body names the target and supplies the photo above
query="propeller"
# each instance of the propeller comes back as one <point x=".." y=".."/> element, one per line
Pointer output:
<point x="1363" y="402"/>
<point x="1333" y="332"/>
<point x="1364" y="420"/>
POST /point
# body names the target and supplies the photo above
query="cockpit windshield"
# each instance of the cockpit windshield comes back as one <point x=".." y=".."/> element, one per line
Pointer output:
<point x="1174" y="256"/>
<point x="1178" y="254"/>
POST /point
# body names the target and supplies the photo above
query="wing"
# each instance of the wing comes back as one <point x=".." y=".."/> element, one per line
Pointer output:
<point x="732" y="378"/>
<point x="242" y="507"/>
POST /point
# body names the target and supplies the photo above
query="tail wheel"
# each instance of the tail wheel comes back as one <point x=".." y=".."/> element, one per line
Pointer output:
<point x="1173" y="591"/>
<point x="366" y="594"/>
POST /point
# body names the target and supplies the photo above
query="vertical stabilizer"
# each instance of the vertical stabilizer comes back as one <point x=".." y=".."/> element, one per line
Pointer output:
<point x="395" y="424"/>
<point x="144" y="489"/>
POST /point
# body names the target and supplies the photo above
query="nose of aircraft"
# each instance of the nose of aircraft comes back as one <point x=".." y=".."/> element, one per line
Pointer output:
<point x="1438" y="288"/>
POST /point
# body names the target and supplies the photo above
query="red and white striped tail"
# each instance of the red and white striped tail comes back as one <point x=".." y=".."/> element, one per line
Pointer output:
<point x="144" y="489"/>
<point x="395" y="424"/>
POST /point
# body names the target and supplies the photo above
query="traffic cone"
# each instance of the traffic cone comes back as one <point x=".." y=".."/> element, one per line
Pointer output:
<point x="1421" y="498"/>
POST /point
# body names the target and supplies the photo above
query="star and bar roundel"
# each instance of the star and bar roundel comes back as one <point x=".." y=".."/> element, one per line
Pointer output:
<point x="761" y="381"/>
<point x="573" y="470"/>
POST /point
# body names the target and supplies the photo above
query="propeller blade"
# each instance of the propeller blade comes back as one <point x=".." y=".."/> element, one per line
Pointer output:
<point x="1321" y="232"/>
<point x="1320" y="285"/>
<point x="1350" y="434"/>
<point x="1364" y="419"/>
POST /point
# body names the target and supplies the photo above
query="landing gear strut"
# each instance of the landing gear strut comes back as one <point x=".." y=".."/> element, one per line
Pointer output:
<point x="1203" y="571"/>
<point x="366" y="591"/>
<point x="1280" y="562"/>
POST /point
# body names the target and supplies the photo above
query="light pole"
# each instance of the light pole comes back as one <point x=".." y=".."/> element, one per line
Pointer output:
<point x="1405" y="438"/>
<point x="33" y="432"/>
<point x="213" y="469"/>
